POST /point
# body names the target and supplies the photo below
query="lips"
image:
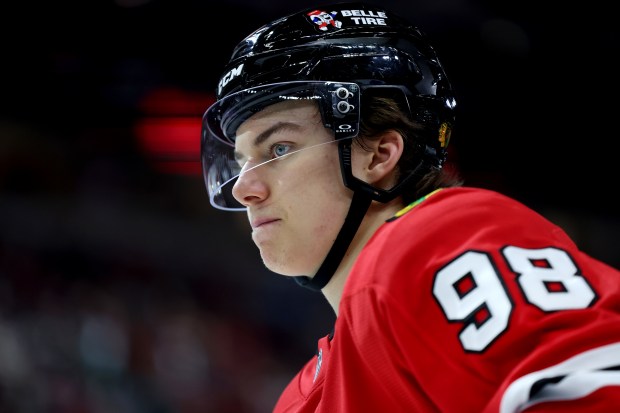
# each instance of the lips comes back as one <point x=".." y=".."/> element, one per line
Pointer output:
<point x="264" y="231"/>
<point x="259" y="222"/>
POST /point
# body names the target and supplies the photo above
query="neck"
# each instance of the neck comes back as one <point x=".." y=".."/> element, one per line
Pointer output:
<point x="376" y="216"/>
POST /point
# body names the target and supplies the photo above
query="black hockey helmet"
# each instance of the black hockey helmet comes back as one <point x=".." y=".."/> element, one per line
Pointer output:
<point x="334" y="54"/>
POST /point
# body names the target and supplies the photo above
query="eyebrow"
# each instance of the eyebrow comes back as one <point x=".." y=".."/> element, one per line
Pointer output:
<point x="267" y="133"/>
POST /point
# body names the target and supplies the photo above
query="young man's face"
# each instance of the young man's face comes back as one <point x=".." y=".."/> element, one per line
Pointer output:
<point x="296" y="203"/>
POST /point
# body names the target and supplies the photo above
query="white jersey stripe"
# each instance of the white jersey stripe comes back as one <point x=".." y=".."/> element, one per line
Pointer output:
<point x="580" y="376"/>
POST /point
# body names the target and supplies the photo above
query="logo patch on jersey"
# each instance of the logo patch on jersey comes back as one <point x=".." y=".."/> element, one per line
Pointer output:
<point x="326" y="21"/>
<point x="319" y="363"/>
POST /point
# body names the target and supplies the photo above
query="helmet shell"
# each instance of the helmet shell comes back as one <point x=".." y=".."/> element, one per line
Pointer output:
<point x="349" y="42"/>
<point x="352" y="42"/>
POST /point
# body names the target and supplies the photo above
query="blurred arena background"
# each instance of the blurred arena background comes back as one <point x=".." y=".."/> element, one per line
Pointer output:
<point x="122" y="290"/>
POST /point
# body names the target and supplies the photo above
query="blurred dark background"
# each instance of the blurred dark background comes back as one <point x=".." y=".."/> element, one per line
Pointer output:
<point x="122" y="290"/>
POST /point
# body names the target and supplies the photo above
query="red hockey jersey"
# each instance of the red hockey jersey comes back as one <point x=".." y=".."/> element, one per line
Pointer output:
<point x="468" y="301"/>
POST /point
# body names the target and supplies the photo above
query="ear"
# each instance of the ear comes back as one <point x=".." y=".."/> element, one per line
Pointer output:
<point x="381" y="157"/>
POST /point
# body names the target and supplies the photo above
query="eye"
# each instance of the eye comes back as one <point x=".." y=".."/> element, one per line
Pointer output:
<point x="279" y="149"/>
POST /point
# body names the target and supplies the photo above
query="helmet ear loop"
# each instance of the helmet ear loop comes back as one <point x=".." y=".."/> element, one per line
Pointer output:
<point x="357" y="185"/>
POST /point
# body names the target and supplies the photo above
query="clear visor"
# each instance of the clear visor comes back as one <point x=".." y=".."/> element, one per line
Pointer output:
<point x="338" y="102"/>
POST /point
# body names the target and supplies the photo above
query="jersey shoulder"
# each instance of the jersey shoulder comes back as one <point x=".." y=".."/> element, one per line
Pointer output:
<point x="464" y="215"/>
<point x="451" y="204"/>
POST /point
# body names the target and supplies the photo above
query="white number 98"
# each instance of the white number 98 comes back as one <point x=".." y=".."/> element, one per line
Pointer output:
<point x="470" y="290"/>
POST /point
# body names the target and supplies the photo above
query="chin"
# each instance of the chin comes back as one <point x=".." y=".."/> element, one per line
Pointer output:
<point x="283" y="270"/>
<point x="284" y="267"/>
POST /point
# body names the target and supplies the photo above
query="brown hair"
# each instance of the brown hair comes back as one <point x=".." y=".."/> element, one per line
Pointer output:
<point x="380" y="113"/>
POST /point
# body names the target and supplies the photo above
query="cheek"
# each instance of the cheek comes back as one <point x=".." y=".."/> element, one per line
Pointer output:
<point x="317" y="218"/>
<point x="321" y="198"/>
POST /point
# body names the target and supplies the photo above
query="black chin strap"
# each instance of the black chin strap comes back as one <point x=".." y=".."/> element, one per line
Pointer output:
<point x="359" y="206"/>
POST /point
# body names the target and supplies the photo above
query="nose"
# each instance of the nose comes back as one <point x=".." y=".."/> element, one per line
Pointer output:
<point x="249" y="188"/>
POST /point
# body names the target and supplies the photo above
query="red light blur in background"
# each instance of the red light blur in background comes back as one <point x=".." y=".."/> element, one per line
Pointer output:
<point x="169" y="133"/>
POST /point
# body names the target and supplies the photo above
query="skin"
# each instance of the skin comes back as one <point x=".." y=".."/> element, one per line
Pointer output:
<point x="297" y="204"/>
